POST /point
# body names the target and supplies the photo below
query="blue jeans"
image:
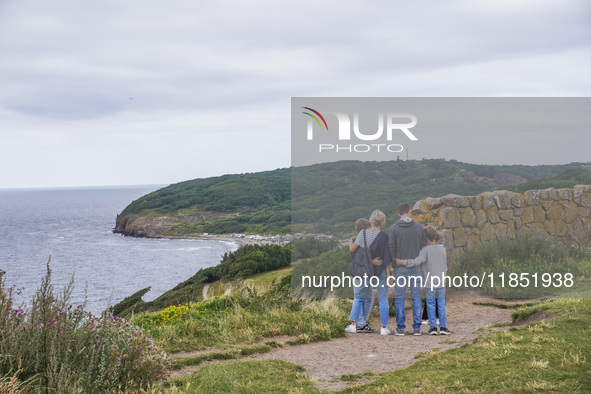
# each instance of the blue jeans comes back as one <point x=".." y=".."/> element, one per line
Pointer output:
<point x="432" y="297"/>
<point x="362" y="304"/>
<point x="415" y="293"/>
<point x="383" y="299"/>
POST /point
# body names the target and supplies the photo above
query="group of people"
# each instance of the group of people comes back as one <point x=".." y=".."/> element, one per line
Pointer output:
<point x="407" y="252"/>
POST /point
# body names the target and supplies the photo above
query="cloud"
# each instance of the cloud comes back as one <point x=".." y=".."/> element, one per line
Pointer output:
<point x="204" y="70"/>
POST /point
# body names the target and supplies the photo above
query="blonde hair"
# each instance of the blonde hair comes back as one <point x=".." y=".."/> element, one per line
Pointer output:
<point x="377" y="218"/>
<point x="362" y="224"/>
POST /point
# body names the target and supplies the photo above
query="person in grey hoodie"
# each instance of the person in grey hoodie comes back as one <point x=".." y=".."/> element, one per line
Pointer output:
<point x="433" y="261"/>
<point x="406" y="239"/>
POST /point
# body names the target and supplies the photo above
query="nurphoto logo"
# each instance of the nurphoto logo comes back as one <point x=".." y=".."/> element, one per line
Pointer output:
<point x="395" y="122"/>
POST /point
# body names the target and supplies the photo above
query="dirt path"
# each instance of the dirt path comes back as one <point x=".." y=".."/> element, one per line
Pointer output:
<point x="205" y="289"/>
<point x="357" y="353"/>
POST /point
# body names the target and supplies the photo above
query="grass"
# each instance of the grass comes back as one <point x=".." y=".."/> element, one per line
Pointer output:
<point x="227" y="355"/>
<point x="260" y="281"/>
<point x="546" y="356"/>
<point x="243" y="318"/>
<point x="542" y="356"/>
<point x="272" y="376"/>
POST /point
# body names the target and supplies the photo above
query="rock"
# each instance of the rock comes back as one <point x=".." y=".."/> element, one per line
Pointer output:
<point x="468" y="218"/>
<point x="532" y="197"/>
<point x="461" y="236"/>
<point x="565" y="194"/>
<point x="480" y="218"/>
<point x="555" y="212"/>
<point x="506" y="214"/>
<point x="450" y="217"/>
<point x="571" y="212"/>
<point x="434" y="202"/>
<point x="493" y="215"/>
<point x="454" y="200"/>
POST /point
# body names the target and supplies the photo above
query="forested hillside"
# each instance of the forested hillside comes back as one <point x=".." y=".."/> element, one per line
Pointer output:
<point x="567" y="179"/>
<point x="326" y="197"/>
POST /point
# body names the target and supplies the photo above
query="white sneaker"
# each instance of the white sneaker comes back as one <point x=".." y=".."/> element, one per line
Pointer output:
<point x="385" y="331"/>
<point x="425" y="322"/>
<point x="351" y="329"/>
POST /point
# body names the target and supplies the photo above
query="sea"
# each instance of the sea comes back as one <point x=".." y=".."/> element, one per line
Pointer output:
<point x="73" y="229"/>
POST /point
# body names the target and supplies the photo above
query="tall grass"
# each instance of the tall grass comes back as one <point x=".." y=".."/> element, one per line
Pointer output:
<point x="57" y="346"/>
<point x="533" y="253"/>
<point x="244" y="317"/>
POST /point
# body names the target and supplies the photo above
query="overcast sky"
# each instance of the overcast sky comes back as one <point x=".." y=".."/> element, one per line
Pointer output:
<point x="154" y="92"/>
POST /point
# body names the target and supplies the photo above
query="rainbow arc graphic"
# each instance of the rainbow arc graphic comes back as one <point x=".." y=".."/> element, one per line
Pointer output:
<point x="315" y="118"/>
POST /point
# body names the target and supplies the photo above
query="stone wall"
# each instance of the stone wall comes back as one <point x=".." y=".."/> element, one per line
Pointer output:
<point x="467" y="221"/>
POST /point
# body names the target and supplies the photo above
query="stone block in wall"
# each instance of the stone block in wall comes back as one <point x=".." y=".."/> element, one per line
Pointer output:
<point x="450" y="217"/>
<point x="547" y="205"/>
<point x="550" y="226"/>
<point x="480" y="218"/>
<point x="475" y="203"/>
<point x="571" y="212"/>
<point x="500" y="230"/>
<point x="532" y="197"/>
<point x="555" y="212"/>
<point x="434" y="202"/>
<point x="461" y="236"/>
<point x="511" y="229"/>
<point x="583" y="212"/>
<point x="503" y="198"/>
<point x="448" y="239"/>
<point x="487" y="232"/>
<point x="519" y="212"/>
<point x="506" y="214"/>
<point x="454" y="200"/>
<point x="584" y="188"/>
<point x="518" y="201"/>
<point x="518" y="223"/>
<point x="467" y="217"/>
<point x="539" y="214"/>
<point x="551" y="194"/>
<point x="487" y="201"/>
<point x="492" y="215"/>
<point x="528" y="216"/>
<point x="585" y="199"/>
<point x="473" y="241"/>
<point x="560" y="228"/>
<point x="565" y="194"/>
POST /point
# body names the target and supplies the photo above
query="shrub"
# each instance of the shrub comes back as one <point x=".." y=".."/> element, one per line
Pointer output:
<point x="63" y="348"/>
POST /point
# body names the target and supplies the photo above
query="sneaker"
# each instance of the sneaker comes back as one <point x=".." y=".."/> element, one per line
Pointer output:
<point x="399" y="331"/>
<point x="433" y="331"/>
<point x="351" y="329"/>
<point x="365" y="329"/>
<point x="385" y="331"/>
<point x="425" y="322"/>
<point x="417" y="332"/>
<point x="444" y="331"/>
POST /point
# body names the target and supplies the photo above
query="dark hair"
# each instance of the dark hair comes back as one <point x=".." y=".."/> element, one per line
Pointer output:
<point x="432" y="234"/>
<point x="362" y="224"/>
<point x="403" y="208"/>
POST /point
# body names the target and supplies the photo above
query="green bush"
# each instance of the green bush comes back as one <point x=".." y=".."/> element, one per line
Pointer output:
<point x="63" y="348"/>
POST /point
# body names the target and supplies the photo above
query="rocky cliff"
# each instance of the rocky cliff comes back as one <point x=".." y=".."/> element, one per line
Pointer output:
<point x="467" y="221"/>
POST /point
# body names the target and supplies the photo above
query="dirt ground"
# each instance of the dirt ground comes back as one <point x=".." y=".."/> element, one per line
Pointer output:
<point x="357" y="353"/>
